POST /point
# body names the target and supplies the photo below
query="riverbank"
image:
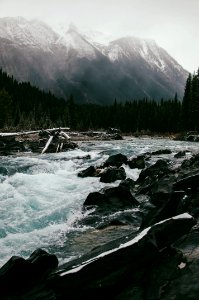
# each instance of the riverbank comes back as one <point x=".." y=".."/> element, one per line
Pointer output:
<point x="35" y="141"/>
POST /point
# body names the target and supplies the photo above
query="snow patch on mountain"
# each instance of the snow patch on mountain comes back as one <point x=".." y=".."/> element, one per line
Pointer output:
<point x="32" y="33"/>
<point x="73" y="40"/>
<point x="88" y="64"/>
<point x="115" y="53"/>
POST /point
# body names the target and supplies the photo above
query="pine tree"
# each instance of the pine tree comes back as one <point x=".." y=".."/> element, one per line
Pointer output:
<point x="72" y="112"/>
<point x="190" y="105"/>
<point x="195" y="102"/>
<point x="186" y="104"/>
<point x="5" y="109"/>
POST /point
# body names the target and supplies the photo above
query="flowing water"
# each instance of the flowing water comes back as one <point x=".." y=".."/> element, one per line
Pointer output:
<point x="41" y="197"/>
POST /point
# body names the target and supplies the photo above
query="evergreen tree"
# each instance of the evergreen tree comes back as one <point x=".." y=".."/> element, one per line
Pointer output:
<point x="72" y="112"/>
<point x="195" y="102"/>
<point x="5" y="109"/>
<point x="186" y="104"/>
<point x="190" y="105"/>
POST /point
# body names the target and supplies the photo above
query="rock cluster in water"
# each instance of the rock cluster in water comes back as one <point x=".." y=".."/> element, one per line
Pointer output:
<point x="158" y="261"/>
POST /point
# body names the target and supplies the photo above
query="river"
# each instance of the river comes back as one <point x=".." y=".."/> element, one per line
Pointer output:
<point x="41" y="196"/>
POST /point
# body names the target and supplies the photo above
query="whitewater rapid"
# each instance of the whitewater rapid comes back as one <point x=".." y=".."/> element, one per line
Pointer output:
<point x="41" y="196"/>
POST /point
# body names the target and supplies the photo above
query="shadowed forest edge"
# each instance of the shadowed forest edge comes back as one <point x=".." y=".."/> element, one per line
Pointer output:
<point x="24" y="107"/>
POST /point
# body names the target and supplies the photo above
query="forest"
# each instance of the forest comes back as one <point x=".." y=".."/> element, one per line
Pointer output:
<point x="25" y="107"/>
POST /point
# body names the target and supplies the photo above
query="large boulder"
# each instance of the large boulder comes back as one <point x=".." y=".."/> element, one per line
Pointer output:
<point x="120" y="265"/>
<point x="158" y="170"/>
<point x="137" y="162"/>
<point x="180" y="154"/>
<point x="161" y="190"/>
<point x="19" y="274"/>
<point x="111" y="199"/>
<point x="128" y="183"/>
<point x="88" y="172"/>
<point x="167" y="210"/>
<point x="191" y="181"/>
<point x="192" y="163"/>
<point x="121" y="269"/>
<point x="112" y="174"/>
<point x="116" y="160"/>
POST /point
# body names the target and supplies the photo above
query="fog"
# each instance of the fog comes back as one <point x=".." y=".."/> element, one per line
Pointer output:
<point x="173" y="24"/>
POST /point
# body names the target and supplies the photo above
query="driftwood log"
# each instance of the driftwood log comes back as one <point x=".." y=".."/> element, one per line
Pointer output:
<point x="49" y="140"/>
<point x="21" y="133"/>
<point x="59" y="136"/>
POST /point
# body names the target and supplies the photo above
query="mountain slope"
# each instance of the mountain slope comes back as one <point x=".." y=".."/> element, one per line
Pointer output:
<point x="127" y="68"/>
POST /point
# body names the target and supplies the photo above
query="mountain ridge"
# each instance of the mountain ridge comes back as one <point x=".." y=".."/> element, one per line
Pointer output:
<point x="126" y="68"/>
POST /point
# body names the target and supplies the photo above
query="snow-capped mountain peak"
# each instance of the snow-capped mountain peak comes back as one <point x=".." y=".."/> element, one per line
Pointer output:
<point x="74" y="41"/>
<point x="72" y="27"/>
<point x="81" y="63"/>
<point x="28" y="33"/>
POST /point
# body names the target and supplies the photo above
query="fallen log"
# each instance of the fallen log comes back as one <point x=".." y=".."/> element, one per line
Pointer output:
<point x="21" y="133"/>
<point x="59" y="138"/>
<point x="47" y="144"/>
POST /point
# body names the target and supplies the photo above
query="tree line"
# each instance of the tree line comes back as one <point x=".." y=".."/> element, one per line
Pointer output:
<point x="190" y="105"/>
<point x="25" y="107"/>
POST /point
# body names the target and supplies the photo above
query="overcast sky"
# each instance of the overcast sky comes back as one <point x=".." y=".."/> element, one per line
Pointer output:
<point x="173" y="24"/>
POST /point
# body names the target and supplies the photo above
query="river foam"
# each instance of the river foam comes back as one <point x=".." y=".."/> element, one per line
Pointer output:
<point x="41" y="196"/>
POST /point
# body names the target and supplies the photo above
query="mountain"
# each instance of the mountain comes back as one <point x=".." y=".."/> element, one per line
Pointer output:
<point x="73" y="63"/>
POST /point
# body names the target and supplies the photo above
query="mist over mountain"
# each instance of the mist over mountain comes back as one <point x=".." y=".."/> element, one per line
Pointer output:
<point x="75" y="63"/>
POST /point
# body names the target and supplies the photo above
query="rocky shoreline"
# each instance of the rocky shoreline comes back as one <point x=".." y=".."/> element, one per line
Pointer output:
<point x="160" y="260"/>
<point x="35" y="141"/>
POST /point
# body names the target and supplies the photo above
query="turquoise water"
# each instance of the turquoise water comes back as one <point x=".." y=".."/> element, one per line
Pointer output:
<point x="41" y="196"/>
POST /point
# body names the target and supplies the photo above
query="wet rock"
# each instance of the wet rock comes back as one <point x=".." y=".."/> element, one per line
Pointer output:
<point x="180" y="154"/>
<point x="88" y="172"/>
<point x="191" y="181"/>
<point x="162" y="151"/>
<point x="69" y="146"/>
<point x="138" y="162"/>
<point x="112" y="174"/>
<point x="83" y="157"/>
<point x="192" y="163"/>
<point x="101" y="220"/>
<point x="116" y="160"/>
<point x="19" y="274"/>
<point x="155" y="281"/>
<point x="128" y="183"/>
<point x="95" y="199"/>
<point x="164" y="270"/>
<point x="122" y="268"/>
<point x="121" y="265"/>
<point x="184" y="286"/>
<point x="158" y="186"/>
<point x="158" y="170"/>
<point x="161" y="190"/>
<point x="111" y="199"/>
<point x="167" y="210"/>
